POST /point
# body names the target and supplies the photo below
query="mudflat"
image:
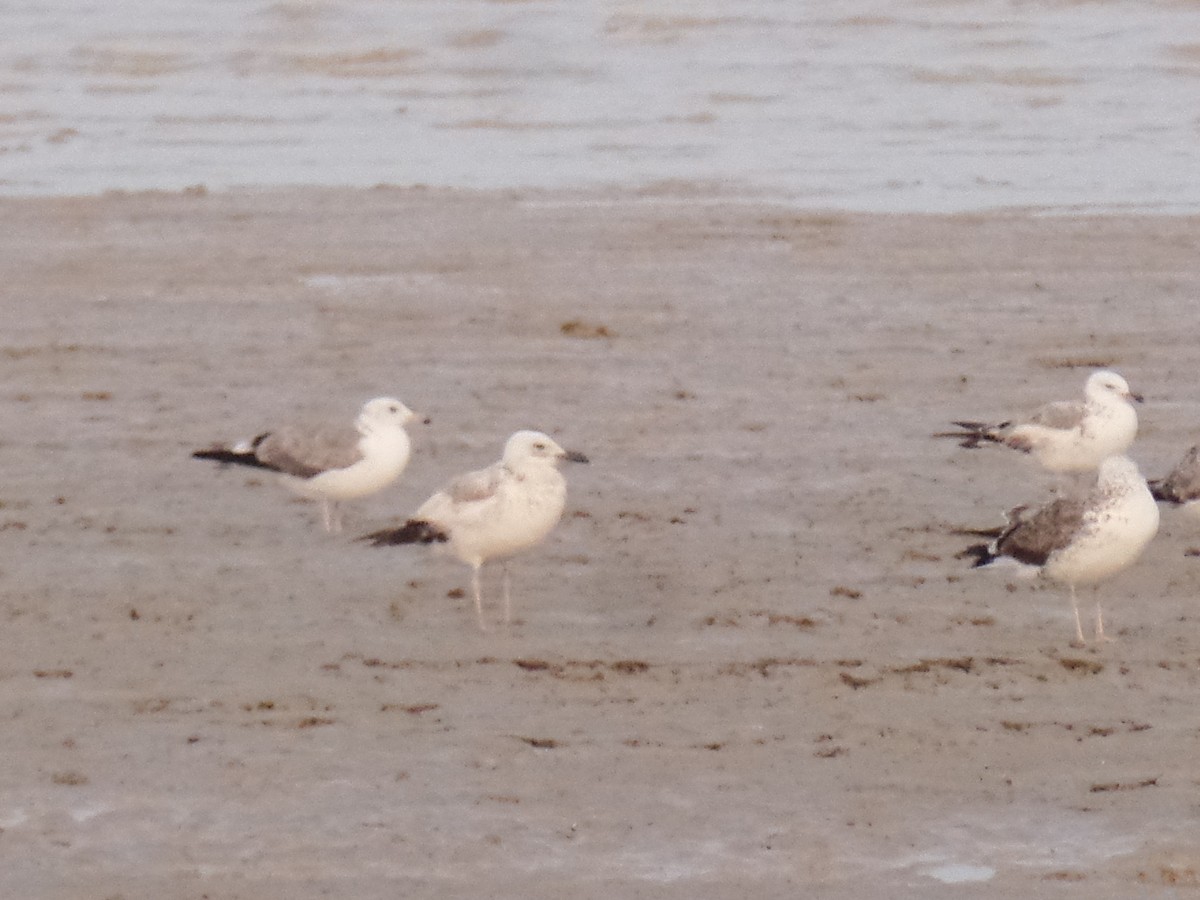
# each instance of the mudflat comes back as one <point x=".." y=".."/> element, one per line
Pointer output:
<point x="746" y="663"/>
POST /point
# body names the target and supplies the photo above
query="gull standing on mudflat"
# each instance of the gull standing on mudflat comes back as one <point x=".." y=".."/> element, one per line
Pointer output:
<point x="331" y="463"/>
<point x="1080" y="540"/>
<point x="1182" y="487"/>
<point x="1067" y="436"/>
<point x="495" y="512"/>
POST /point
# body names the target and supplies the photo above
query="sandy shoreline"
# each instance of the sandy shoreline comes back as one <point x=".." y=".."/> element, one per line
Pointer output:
<point x="747" y="661"/>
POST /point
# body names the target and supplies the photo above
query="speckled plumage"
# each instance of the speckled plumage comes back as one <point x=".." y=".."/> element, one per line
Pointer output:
<point x="1081" y="540"/>
<point x="1182" y="486"/>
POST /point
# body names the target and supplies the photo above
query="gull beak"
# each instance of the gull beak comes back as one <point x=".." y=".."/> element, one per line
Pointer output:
<point x="574" y="456"/>
<point x="425" y="420"/>
<point x="1136" y="398"/>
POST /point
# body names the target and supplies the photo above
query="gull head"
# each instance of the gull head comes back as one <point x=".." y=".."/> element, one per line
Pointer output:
<point x="526" y="447"/>
<point x="384" y="413"/>
<point x="1105" y="383"/>
<point x="1118" y="470"/>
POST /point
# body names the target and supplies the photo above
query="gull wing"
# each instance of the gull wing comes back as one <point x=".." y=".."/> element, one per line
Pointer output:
<point x="1063" y="415"/>
<point x="1032" y="537"/>
<point x="306" y="453"/>
<point x="464" y="498"/>
<point x="1183" y="484"/>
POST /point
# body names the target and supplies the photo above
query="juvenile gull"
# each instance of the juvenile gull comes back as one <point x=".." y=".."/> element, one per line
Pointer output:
<point x="1182" y="487"/>
<point x="1080" y="540"/>
<point x="495" y="512"/>
<point x="1067" y="436"/>
<point x="331" y="463"/>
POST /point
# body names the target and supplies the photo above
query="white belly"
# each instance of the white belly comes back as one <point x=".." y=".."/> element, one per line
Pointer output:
<point x="383" y="461"/>
<point x="1107" y="545"/>
<point x="517" y="521"/>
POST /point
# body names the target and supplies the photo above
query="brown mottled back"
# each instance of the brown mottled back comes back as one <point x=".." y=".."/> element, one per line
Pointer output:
<point x="1183" y="484"/>
<point x="1032" y="539"/>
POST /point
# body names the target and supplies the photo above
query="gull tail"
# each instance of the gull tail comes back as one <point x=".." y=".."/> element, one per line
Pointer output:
<point x="982" y="553"/>
<point x="1164" y="492"/>
<point x="414" y="531"/>
<point x="975" y="434"/>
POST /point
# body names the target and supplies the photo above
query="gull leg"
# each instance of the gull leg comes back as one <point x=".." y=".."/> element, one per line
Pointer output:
<point x="478" y="598"/>
<point x="1100" y="635"/>
<point x="331" y="516"/>
<point x="1079" y="640"/>
<point x="507" y="596"/>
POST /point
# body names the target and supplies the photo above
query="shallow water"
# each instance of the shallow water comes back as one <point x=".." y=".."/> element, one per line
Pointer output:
<point x="877" y="106"/>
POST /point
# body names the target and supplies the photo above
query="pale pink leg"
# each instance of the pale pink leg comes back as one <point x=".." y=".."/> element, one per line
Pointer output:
<point x="1079" y="640"/>
<point x="332" y="516"/>
<point x="478" y="598"/>
<point x="507" y="597"/>
<point x="1100" y="635"/>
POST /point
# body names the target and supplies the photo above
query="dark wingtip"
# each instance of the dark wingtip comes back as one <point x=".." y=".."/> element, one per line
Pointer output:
<point x="975" y="434"/>
<point x="1159" y="492"/>
<point x="225" y="456"/>
<point x="414" y="531"/>
<point x="981" y="553"/>
<point x="968" y="439"/>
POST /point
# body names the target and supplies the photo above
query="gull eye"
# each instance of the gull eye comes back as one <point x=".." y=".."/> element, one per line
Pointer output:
<point x="539" y="446"/>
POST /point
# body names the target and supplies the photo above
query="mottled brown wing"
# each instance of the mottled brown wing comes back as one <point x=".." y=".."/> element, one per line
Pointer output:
<point x="305" y="453"/>
<point x="1183" y="484"/>
<point x="1034" y="536"/>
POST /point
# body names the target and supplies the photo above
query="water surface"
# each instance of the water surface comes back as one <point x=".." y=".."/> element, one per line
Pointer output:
<point x="860" y="105"/>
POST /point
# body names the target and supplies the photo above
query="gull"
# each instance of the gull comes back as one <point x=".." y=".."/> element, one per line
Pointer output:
<point x="1182" y="487"/>
<point x="1080" y="540"/>
<point x="1067" y="436"/>
<point x="331" y="463"/>
<point x="493" y="513"/>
